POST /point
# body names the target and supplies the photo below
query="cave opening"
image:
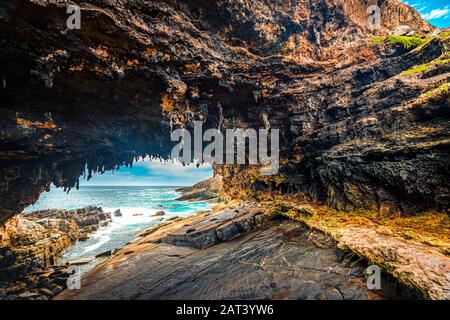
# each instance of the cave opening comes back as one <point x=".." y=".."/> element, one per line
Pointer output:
<point x="143" y="173"/>
<point x="128" y="200"/>
<point x="363" y="145"/>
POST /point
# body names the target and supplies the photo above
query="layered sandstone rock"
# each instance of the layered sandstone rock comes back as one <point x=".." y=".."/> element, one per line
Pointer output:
<point x="38" y="285"/>
<point x="414" y="250"/>
<point x="35" y="240"/>
<point x="232" y="253"/>
<point x="210" y="189"/>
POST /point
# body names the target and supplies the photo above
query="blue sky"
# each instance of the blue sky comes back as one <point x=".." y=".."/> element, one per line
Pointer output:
<point x="151" y="173"/>
<point x="437" y="12"/>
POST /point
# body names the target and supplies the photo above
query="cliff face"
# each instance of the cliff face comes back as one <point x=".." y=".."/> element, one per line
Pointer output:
<point x="356" y="132"/>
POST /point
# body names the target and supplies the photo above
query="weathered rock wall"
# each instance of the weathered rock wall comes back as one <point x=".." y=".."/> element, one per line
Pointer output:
<point x="36" y="239"/>
<point x="355" y="132"/>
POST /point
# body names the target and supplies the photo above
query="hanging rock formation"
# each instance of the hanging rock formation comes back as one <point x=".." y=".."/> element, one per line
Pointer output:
<point x="359" y="127"/>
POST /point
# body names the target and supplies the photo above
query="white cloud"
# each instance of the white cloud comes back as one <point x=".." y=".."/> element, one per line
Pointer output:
<point x="436" y="13"/>
<point x="152" y="173"/>
<point x="421" y="10"/>
<point x="160" y="168"/>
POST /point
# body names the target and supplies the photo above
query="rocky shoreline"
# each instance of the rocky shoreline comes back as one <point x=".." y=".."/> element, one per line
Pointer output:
<point x="31" y="244"/>
<point x="208" y="190"/>
<point x="248" y="238"/>
<point x="246" y="251"/>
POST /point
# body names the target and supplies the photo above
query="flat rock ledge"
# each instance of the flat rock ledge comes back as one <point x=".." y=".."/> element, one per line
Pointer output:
<point x="206" y="230"/>
<point x="232" y="253"/>
<point x="422" y="267"/>
<point x="416" y="265"/>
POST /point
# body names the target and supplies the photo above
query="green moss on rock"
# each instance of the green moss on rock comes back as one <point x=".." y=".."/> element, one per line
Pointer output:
<point x="407" y="42"/>
<point x="417" y="69"/>
<point x="435" y="92"/>
<point x="443" y="59"/>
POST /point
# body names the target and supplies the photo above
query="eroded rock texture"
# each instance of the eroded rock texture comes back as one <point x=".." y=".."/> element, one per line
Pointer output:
<point x="355" y="131"/>
<point x="35" y="240"/>
<point x="235" y="253"/>
<point x="210" y="190"/>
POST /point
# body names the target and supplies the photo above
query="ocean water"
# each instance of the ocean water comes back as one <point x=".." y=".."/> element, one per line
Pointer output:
<point x="137" y="205"/>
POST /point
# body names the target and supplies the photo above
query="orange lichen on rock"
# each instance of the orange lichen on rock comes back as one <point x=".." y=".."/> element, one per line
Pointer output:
<point x="140" y="25"/>
<point x="192" y="68"/>
<point x="134" y="62"/>
<point x="269" y="30"/>
<point x="37" y="124"/>
<point x="167" y="103"/>
<point x="76" y="68"/>
<point x="100" y="51"/>
<point x="166" y="57"/>
<point x="149" y="52"/>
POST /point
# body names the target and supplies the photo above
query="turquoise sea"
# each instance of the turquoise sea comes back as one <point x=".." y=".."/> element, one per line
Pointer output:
<point x="137" y="205"/>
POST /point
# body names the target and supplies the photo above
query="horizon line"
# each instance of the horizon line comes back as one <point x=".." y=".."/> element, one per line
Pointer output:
<point x="131" y="185"/>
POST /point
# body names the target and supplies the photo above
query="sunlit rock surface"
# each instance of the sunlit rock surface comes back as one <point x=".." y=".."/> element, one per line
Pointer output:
<point x="233" y="253"/>
<point x="35" y="240"/>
